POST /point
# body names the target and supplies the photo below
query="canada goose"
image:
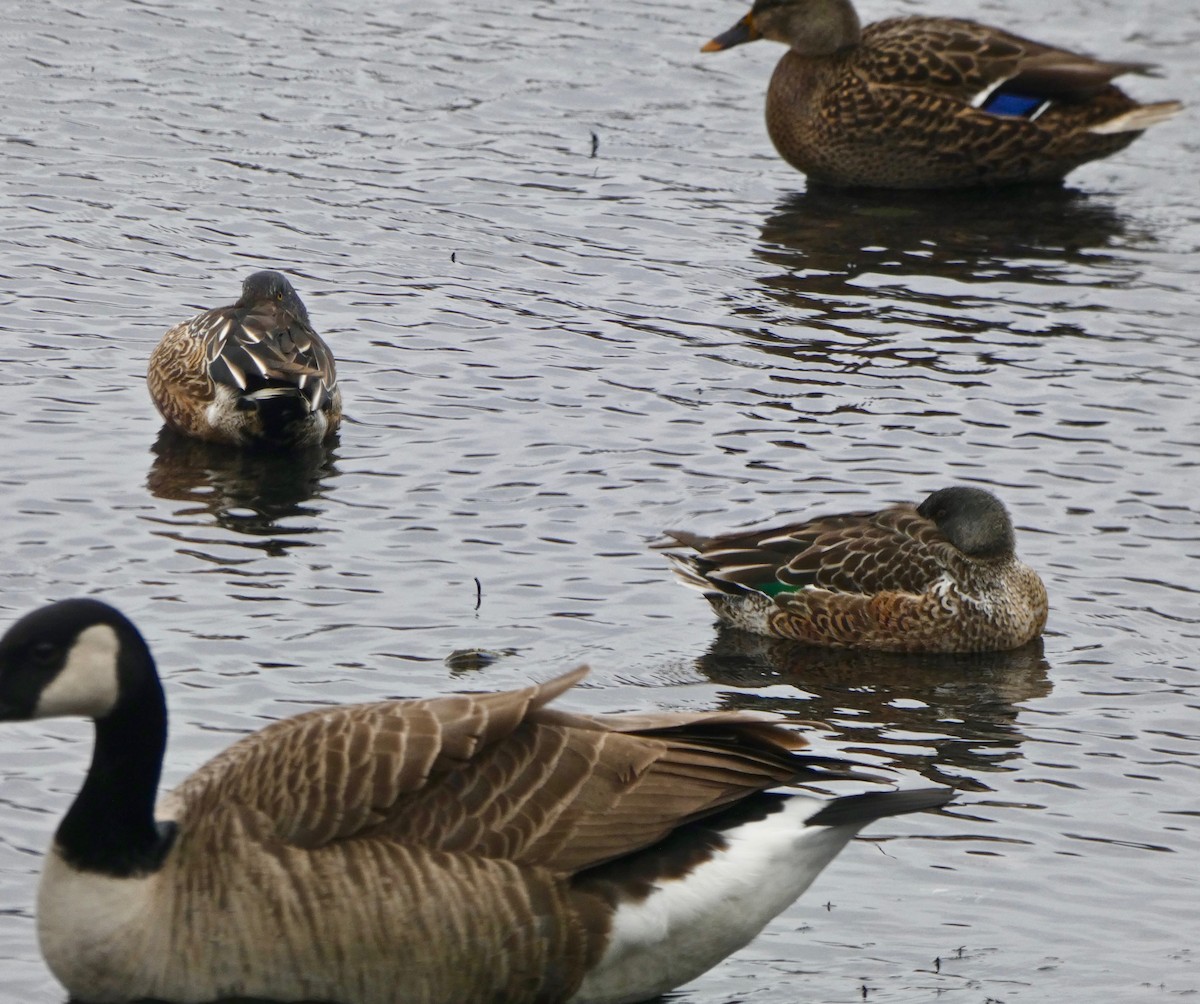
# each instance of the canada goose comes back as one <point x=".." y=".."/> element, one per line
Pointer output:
<point x="251" y="374"/>
<point x="476" y="847"/>
<point x="939" y="577"/>
<point x="933" y="102"/>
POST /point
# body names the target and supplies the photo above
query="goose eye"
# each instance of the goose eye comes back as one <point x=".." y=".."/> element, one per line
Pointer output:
<point x="44" y="652"/>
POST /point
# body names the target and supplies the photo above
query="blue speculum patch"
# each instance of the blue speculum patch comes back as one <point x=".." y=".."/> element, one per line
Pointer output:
<point x="1007" y="103"/>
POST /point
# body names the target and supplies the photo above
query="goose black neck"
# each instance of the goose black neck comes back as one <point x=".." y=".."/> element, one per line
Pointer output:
<point x="110" y="827"/>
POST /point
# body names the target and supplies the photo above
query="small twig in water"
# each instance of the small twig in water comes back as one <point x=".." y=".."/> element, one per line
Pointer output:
<point x="478" y="593"/>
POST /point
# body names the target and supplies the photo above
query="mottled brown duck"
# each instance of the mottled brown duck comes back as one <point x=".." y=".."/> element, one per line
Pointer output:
<point x="939" y="577"/>
<point x="251" y="374"/>
<point x="933" y="102"/>
<point x="476" y="847"/>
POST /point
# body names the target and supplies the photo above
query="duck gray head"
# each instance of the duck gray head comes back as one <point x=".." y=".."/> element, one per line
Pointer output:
<point x="973" y="520"/>
<point x="268" y="287"/>
<point x="810" y="27"/>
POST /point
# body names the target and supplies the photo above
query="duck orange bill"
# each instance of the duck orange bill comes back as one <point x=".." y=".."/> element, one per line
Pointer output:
<point x="743" y="31"/>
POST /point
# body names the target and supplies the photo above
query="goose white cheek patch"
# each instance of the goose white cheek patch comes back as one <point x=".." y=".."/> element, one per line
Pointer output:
<point x="87" y="683"/>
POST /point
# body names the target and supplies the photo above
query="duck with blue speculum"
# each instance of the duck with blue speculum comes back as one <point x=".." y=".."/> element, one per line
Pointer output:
<point x="933" y="102"/>
<point x="253" y="374"/>
<point x="942" y="576"/>
<point x="469" y="847"/>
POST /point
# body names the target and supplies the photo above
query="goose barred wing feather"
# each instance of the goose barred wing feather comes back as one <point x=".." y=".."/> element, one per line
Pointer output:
<point x="338" y="772"/>
<point x="497" y="775"/>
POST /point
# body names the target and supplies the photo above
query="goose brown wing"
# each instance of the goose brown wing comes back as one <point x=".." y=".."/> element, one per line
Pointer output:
<point x="499" y="775"/>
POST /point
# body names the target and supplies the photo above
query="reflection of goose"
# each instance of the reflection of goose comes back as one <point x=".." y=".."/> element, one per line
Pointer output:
<point x="939" y="577"/>
<point x="962" y="707"/>
<point x="924" y="102"/>
<point x="251" y="493"/>
<point x="251" y="374"/>
<point x="482" y="847"/>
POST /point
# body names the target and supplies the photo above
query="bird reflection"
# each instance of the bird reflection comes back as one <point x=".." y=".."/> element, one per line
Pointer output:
<point x="260" y="497"/>
<point x="1035" y="236"/>
<point x="930" y="713"/>
<point x="860" y="270"/>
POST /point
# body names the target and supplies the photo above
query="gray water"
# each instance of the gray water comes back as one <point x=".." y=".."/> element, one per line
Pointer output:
<point x="548" y="356"/>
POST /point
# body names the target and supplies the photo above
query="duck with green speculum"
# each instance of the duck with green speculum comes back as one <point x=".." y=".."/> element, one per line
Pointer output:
<point x="253" y="374"/>
<point x="933" y="102"/>
<point x="939" y="577"/>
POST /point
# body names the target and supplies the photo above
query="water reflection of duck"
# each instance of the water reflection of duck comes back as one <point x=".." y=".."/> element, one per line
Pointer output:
<point x="249" y="493"/>
<point x="934" y="102"/>
<point x="850" y="275"/>
<point x="943" y="715"/>
<point x="825" y="237"/>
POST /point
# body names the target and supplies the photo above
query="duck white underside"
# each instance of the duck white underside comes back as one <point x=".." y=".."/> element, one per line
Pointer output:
<point x="688" y="925"/>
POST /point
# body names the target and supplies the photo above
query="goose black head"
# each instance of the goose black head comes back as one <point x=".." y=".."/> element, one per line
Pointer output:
<point x="69" y="658"/>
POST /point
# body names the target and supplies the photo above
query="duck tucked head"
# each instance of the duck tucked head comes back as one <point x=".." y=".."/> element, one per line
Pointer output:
<point x="811" y="27"/>
<point x="266" y="288"/>
<point x="70" y="658"/>
<point x="973" y="520"/>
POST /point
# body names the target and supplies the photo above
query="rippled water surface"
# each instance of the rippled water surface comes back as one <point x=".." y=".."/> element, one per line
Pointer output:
<point x="577" y="299"/>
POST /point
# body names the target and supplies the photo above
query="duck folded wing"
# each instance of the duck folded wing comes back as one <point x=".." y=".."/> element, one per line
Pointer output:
<point x="264" y="349"/>
<point x="892" y="550"/>
<point x="967" y="60"/>
<point x="895" y="550"/>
